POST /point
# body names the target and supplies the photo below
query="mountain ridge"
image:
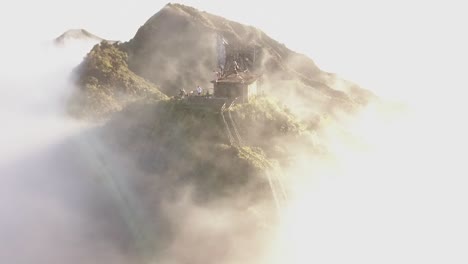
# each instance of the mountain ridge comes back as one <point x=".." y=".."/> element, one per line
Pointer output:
<point x="79" y="34"/>
<point x="178" y="47"/>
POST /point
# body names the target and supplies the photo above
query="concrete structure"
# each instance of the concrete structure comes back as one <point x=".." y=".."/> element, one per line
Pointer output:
<point x="241" y="85"/>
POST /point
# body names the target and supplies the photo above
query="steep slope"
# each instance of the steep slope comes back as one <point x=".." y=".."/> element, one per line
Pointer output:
<point x="106" y="85"/>
<point x="163" y="134"/>
<point x="180" y="155"/>
<point x="188" y="38"/>
<point x="179" y="47"/>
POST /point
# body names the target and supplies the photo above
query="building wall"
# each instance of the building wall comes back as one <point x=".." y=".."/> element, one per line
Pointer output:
<point x="233" y="90"/>
<point x="229" y="90"/>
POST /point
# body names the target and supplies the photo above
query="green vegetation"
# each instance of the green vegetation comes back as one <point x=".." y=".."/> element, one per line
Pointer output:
<point x="106" y="84"/>
<point x="183" y="145"/>
<point x="267" y="117"/>
<point x="269" y="125"/>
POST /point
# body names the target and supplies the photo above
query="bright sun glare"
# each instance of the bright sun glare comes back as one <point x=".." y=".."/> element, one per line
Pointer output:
<point x="396" y="197"/>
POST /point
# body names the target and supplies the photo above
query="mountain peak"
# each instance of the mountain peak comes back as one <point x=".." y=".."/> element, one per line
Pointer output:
<point x="78" y="34"/>
<point x="183" y="35"/>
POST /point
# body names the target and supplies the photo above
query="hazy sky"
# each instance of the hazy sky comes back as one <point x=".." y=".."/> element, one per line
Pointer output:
<point x="387" y="46"/>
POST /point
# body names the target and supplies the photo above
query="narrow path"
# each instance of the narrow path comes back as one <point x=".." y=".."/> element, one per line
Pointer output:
<point x="273" y="173"/>
<point x="234" y="125"/>
<point x="232" y="142"/>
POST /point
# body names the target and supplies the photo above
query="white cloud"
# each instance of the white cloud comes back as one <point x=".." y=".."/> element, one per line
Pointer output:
<point x="411" y="212"/>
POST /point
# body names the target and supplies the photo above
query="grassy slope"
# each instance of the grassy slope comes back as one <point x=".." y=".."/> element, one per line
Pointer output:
<point x="184" y="145"/>
<point x="107" y="85"/>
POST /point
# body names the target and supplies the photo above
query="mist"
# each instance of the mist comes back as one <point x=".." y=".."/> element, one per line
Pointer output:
<point x="392" y="190"/>
<point x="67" y="197"/>
<point x="51" y="209"/>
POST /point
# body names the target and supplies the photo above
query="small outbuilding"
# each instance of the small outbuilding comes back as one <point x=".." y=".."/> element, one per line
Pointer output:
<point x="242" y="85"/>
